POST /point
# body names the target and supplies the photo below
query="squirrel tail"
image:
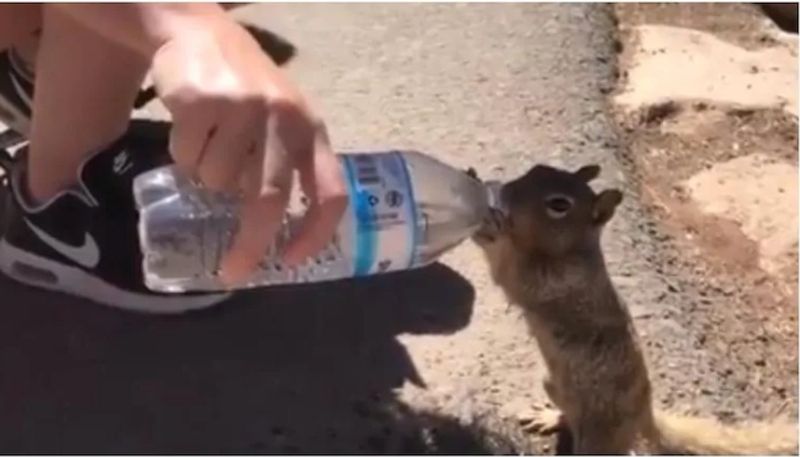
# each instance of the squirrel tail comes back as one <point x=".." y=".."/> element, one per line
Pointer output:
<point x="681" y="434"/>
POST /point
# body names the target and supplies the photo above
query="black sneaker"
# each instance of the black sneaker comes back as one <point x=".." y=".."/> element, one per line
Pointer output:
<point x="16" y="92"/>
<point x="84" y="241"/>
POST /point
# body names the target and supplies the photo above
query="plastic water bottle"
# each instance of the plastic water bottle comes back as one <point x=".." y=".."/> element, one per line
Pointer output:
<point x="405" y="210"/>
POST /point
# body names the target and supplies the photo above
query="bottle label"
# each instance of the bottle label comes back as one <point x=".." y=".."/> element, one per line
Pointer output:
<point x="382" y="201"/>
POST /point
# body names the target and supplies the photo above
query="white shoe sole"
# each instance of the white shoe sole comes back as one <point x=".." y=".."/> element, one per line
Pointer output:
<point x="47" y="274"/>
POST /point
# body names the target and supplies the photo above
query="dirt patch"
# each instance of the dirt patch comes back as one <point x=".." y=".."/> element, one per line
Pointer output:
<point x="712" y="145"/>
<point x="737" y="23"/>
<point x="759" y="194"/>
<point x="708" y="69"/>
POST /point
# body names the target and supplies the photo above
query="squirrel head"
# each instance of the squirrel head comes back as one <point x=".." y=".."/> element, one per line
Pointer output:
<point x="555" y="212"/>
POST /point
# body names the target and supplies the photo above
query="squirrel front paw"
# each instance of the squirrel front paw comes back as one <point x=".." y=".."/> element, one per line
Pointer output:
<point x="493" y="226"/>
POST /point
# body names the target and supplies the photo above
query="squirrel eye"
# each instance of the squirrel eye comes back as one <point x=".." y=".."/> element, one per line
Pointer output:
<point x="558" y="205"/>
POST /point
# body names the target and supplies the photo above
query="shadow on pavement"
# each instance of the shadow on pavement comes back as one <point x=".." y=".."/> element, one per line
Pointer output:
<point x="308" y="369"/>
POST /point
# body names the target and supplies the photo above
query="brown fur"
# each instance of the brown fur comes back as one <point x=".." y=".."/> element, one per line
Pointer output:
<point x="545" y="254"/>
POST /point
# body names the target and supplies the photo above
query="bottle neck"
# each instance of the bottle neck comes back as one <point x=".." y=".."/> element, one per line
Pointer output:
<point x="493" y="193"/>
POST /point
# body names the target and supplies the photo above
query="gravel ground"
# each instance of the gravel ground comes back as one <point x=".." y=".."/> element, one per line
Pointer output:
<point x="739" y="299"/>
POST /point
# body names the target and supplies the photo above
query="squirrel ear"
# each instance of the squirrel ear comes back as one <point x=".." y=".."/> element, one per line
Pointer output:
<point x="604" y="205"/>
<point x="587" y="173"/>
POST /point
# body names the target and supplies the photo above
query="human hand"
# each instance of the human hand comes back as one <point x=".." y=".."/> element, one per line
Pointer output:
<point x="239" y="125"/>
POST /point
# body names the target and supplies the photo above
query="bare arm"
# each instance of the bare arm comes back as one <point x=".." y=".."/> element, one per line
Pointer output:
<point x="239" y="124"/>
<point x="145" y="27"/>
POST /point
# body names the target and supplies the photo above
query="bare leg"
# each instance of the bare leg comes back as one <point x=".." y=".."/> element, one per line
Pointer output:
<point x="19" y="25"/>
<point x="85" y="87"/>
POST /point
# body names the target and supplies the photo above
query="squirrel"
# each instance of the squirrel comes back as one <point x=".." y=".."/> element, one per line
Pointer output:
<point x="543" y="250"/>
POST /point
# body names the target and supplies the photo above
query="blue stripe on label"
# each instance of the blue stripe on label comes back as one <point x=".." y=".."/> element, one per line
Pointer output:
<point x="411" y="209"/>
<point x="364" y="238"/>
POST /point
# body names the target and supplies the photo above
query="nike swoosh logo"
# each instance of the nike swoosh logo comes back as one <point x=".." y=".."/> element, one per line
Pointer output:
<point x="87" y="255"/>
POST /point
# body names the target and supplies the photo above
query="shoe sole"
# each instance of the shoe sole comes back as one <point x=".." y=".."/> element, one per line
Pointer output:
<point x="40" y="272"/>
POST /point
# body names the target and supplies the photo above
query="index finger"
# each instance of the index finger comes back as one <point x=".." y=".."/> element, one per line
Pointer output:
<point x="259" y="222"/>
<point x="266" y="183"/>
<point x="322" y="180"/>
<point x="188" y="138"/>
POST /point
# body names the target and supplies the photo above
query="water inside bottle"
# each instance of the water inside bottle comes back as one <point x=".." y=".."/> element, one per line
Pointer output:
<point x="185" y="230"/>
